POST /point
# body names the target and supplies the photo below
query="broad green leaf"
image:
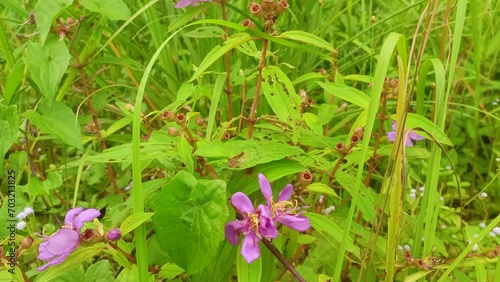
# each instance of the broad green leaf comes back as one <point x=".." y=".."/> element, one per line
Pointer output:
<point x="308" y="76"/>
<point x="324" y="224"/>
<point x="35" y="187"/>
<point x="131" y="222"/>
<point x="219" y="51"/>
<point x="53" y="181"/>
<point x="186" y="154"/>
<point x="113" y="9"/>
<point x="120" y="258"/>
<point x="170" y="271"/>
<point x="121" y="153"/>
<point x="322" y="188"/>
<point x="308" y="38"/>
<point x="13" y="81"/>
<point x="365" y="203"/>
<point x="280" y="94"/>
<point x="47" y="65"/>
<point x="221" y="268"/>
<point x="76" y="274"/>
<point x="58" y="120"/>
<point x="248" y="272"/>
<point x="248" y="153"/>
<point x="347" y="93"/>
<point x="46" y="12"/>
<point x="18" y="160"/>
<point x="8" y="129"/>
<point x="99" y="272"/>
<point x="414" y="121"/>
<point x="480" y="270"/>
<point x="247" y="182"/>
<point x="313" y="122"/>
<point x="189" y="220"/>
<point x="75" y="258"/>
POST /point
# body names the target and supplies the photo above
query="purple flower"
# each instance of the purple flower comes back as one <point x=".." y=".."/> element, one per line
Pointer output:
<point x="283" y="211"/>
<point x="185" y="3"/>
<point x="255" y="225"/>
<point x="114" y="234"/>
<point x="57" y="247"/>
<point x="391" y="135"/>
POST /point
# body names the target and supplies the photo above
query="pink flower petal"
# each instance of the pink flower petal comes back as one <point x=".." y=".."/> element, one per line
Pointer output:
<point x="232" y="231"/>
<point x="297" y="222"/>
<point x="394" y="126"/>
<point x="265" y="188"/>
<point x="414" y="136"/>
<point x="242" y="203"/>
<point x="69" y="220"/>
<point x="250" y="249"/>
<point x="408" y="142"/>
<point x="85" y="216"/>
<point x="286" y="193"/>
<point x="267" y="228"/>
<point x="391" y="135"/>
<point x="57" y="247"/>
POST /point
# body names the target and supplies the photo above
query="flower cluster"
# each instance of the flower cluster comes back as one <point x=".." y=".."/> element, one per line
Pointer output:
<point x="57" y="247"/>
<point x="22" y="215"/>
<point x="260" y="223"/>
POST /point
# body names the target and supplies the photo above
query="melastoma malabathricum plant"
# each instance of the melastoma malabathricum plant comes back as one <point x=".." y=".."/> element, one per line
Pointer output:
<point x="410" y="135"/>
<point x="258" y="224"/>
<point x="56" y="248"/>
<point x="185" y="3"/>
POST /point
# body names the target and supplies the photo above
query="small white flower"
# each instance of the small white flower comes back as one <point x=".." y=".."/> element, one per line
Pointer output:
<point x="496" y="230"/>
<point x="482" y="225"/>
<point x="474" y="248"/>
<point x="407" y="247"/>
<point x="497" y="159"/>
<point x="493" y="234"/>
<point x="448" y="167"/>
<point x="400" y="248"/>
<point x="494" y="103"/>
<point x="22" y="215"/>
<point x="443" y="226"/>
<point x="21" y="225"/>
<point x="441" y="199"/>
<point x="483" y="195"/>
<point x="423" y="239"/>
<point x="321" y="199"/>
<point x="454" y="236"/>
<point x="332" y="208"/>
<point x="413" y="191"/>
<point x="421" y="189"/>
<point x="413" y="196"/>
<point x="28" y="210"/>
<point x="38" y="150"/>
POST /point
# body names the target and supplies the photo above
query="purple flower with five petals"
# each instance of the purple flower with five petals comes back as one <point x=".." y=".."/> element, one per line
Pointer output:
<point x="283" y="211"/>
<point x="185" y="3"/>
<point x="391" y="135"/>
<point x="255" y="225"/>
<point x="57" y="247"/>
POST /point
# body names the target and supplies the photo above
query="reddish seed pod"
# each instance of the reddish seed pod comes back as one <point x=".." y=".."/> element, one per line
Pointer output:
<point x="267" y="5"/>
<point x="340" y="147"/>
<point x="168" y="115"/>
<point x="173" y="131"/>
<point x="394" y="83"/>
<point x="281" y="7"/>
<point x="27" y="242"/>
<point x="180" y="119"/>
<point x="360" y="132"/>
<point x="386" y="83"/>
<point x="248" y="24"/>
<point x="227" y="135"/>
<point x="256" y="9"/>
<point x="306" y="178"/>
<point x="199" y="121"/>
<point x="355" y="139"/>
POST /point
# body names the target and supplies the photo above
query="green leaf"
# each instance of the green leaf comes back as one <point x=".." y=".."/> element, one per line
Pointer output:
<point x="219" y="51"/>
<point x="280" y="94"/>
<point x="366" y="202"/>
<point x="248" y="153"/>
<point x="47" y="65"/>
<point x="35" y="187"/>
<point x="186" y="154"/>
<point x="214" y="103"/>
<point x="113" y="9"/>
<point x="99" y="272"/>
<point x="58" y="120"/>
<point x="248" y="272"/>
<point x="347" y="93"/>
<point x="131" y="222"/>
<point x="53" y="181"/>
<point x="189" y="220"/>
<point x="170" y="271"/>
<point x="206" y="32"/>
<point x="13" y="81"/>
<point x="313" y="122"/>
<point x="322" y="188"/>
<point x="247" y="182"/>
<point x="308" y="38"/>
<point x="324" y="224"/>
<point x="8" y="129"/>
<point x="46" y="12"/>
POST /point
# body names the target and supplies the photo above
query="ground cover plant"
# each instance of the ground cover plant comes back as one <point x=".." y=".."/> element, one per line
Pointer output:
<point x="225" y="140"/>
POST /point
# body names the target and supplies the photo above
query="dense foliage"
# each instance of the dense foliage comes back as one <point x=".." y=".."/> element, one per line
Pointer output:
<point x="225" y="140"/>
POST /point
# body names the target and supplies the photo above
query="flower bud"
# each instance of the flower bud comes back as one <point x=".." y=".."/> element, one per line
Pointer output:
<point x="26" y="243"/>
<point x="256" y="9"/>
<point x="168" y="115"/>
<point x="173" y="131"/>
<point x="394" y="83"/>
<point x="114" y="234"/>
<point x="281" y="7"/>
<point x="199" y="121"/>
<point x="386" y="83"/>
<point x="267" y="5"/>
<point x="306" y="178"/>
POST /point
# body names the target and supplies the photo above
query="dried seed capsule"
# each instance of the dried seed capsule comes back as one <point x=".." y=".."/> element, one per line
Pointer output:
<point x="306" y="178"/>
<point x="256" y="9"/>
<point x="267" y="5"/>
<point x="281" y="7"/>
<point x="168" y="115"/>
<point x="173" y="131"/>
<point x="248" y="24"/>
<point x="180" y="119"/>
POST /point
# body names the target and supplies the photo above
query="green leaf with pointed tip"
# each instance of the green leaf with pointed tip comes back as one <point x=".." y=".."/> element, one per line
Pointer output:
<point x="280" y="94"/>
<point x="8" y="129"/>
<point x="309" y="38"/>
<point x="415" y="121"/>
<point x="350" y="94"/>
<point x="58" y="120"/>
<point x="189" y="220"/>
<point x="113" y="9"/>
<point x="131" y="222"/>
<point x="99" y="272"/>
<point x="47" y="65"/>
<point x="46" y="13"/>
